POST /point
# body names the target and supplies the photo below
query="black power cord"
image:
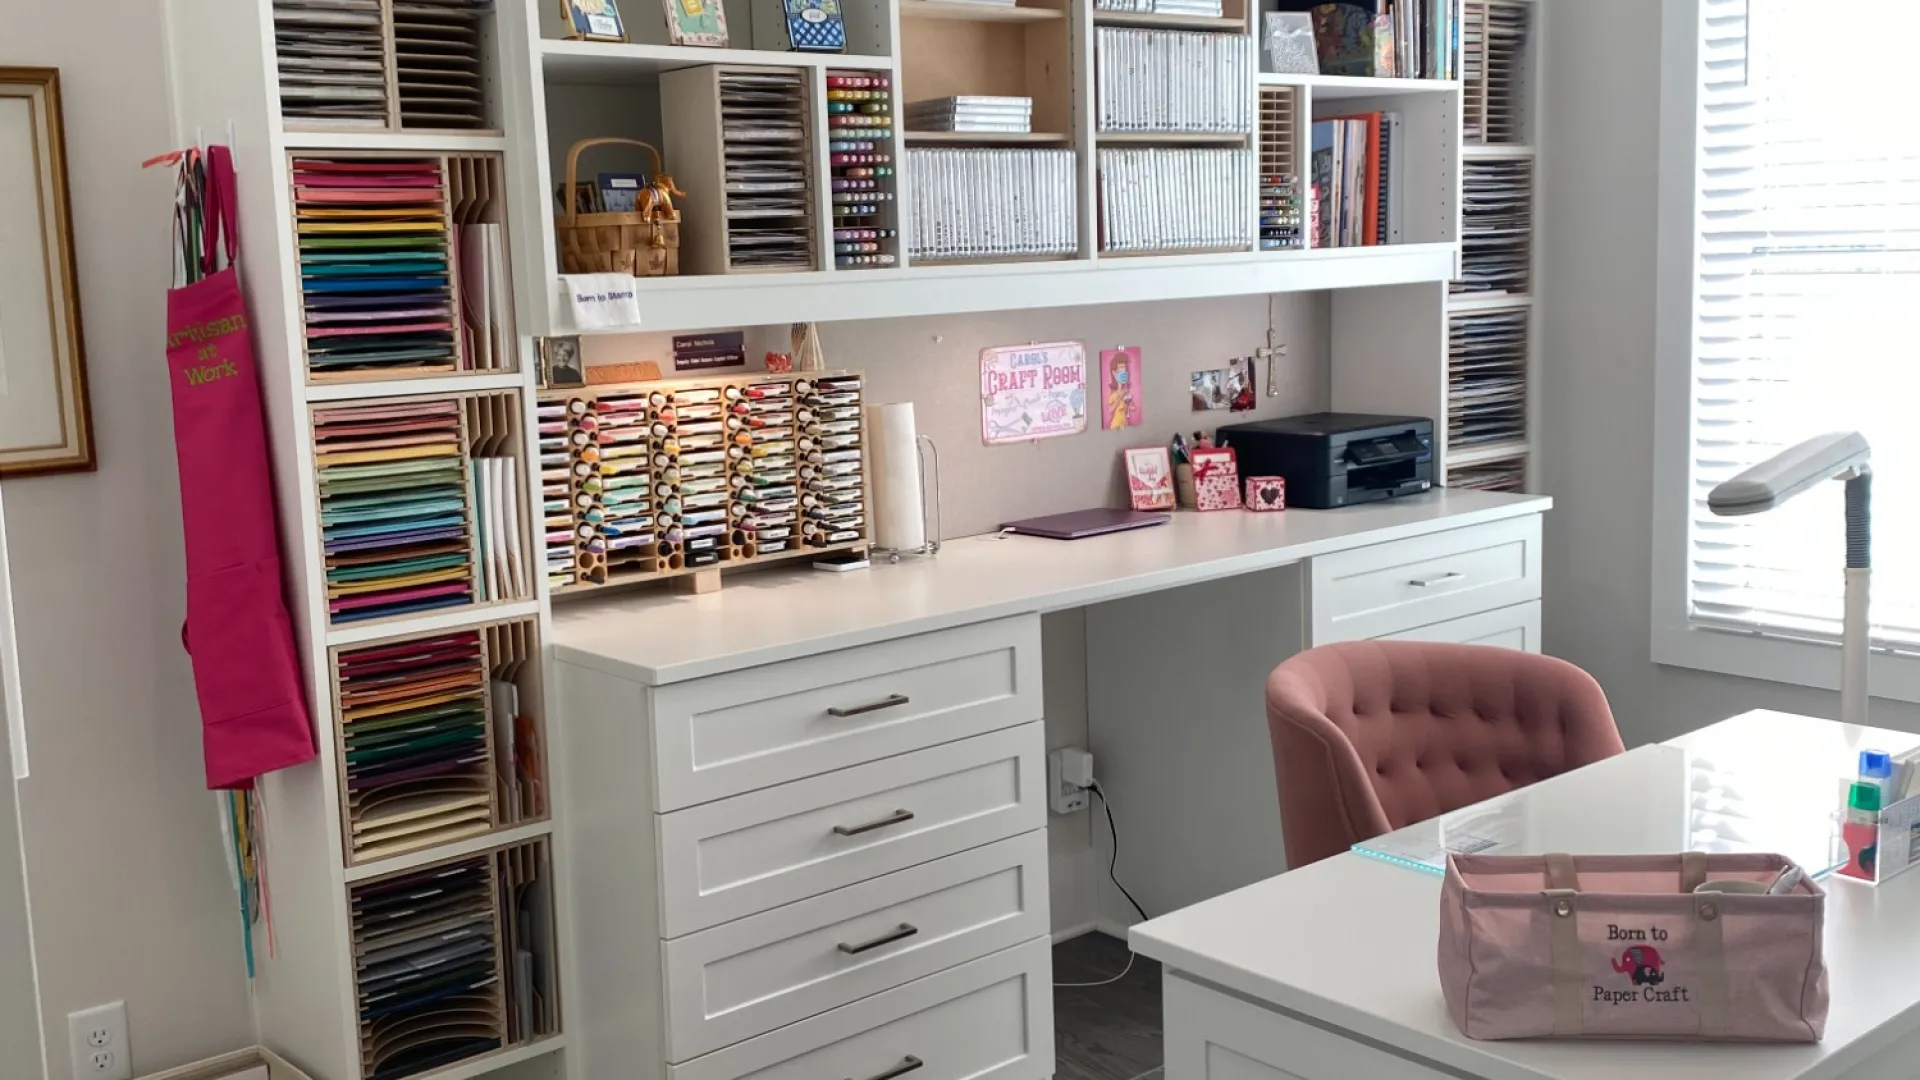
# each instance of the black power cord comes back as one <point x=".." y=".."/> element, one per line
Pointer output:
<point x="1114" y="862"/>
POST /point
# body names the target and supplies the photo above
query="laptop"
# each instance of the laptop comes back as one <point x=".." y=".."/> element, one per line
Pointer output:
<point x="1084" y="523"/>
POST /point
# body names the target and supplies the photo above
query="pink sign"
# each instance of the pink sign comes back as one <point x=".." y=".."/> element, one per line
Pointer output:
<point x="1033" y="391"/>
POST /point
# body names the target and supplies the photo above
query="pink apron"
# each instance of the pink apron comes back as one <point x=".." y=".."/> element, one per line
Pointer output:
<point x="245" y="670"/>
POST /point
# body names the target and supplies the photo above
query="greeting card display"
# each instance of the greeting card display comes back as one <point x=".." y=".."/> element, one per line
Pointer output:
<point x="1030" y="392"/>
<point x="1216" y="479"/>
<point x="1150" y="478"/>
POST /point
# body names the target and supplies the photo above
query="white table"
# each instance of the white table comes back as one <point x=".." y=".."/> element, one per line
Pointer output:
<point x="1328" y="972"/>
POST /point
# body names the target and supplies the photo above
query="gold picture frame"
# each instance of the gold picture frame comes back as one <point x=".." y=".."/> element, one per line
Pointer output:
<point x="46" y="422"/>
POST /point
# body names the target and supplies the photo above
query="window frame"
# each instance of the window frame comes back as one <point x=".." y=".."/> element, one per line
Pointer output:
<point x="1676" y="640"/>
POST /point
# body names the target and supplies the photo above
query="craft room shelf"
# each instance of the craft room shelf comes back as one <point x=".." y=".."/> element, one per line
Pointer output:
<point x="1389" y="308"/>
<point x="976" y="11"/>
<point x="1151" y="20"/>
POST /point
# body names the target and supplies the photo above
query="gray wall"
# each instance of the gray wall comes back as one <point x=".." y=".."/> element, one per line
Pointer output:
<point x="1602" y="67"/>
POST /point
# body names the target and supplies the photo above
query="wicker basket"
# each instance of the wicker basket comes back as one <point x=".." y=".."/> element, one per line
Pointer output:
<point x="644" y="243"/>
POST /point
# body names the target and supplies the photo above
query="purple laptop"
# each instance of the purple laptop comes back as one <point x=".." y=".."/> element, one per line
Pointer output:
<point x="1083" y="523"/>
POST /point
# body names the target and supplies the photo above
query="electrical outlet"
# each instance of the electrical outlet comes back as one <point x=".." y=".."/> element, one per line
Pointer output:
<point x="1069" y="773"/>
<point x="97" y="1039"/>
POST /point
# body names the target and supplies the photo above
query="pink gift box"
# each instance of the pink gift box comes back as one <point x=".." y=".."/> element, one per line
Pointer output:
<point x="1216" y="479"/>
<point x="1266" y="494"/>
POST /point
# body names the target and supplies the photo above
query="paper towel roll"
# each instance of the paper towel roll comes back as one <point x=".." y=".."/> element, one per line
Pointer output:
<point x="899" y="519"/>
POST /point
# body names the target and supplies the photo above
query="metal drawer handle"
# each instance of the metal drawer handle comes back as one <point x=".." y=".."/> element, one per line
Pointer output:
<point x="1447" y="578"/>
<point x="891" y="701"/>
<point x="901" y="1069"/>
<point x="898" y="817"/>
<point x="904" y="931"/>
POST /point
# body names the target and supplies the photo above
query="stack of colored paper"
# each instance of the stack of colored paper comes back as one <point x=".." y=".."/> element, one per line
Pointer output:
<point x="374" y="279"/>
<point x="426" y="968"/>
<point x="393" y="508"/>
<point x="413" y="725"/>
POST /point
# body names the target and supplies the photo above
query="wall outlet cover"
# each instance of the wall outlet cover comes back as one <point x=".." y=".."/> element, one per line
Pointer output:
<point x="97" y="1043"/>
<point x="1069" y="772"/>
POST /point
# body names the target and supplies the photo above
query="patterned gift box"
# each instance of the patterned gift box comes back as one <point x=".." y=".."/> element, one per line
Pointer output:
<point x="1266" y="493"/>
<point x="1216" y="479"/>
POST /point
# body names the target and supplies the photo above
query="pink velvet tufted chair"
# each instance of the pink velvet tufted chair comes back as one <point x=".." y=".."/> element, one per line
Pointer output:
<point x="1372" y="736"/>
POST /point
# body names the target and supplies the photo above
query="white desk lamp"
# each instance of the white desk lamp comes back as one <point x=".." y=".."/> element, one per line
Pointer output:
<point x="1840" y="456"/>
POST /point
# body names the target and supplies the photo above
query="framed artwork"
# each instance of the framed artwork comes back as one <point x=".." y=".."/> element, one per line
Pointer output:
<point x="593" y="20"/>
<point x="560" y="363"/>
<point x="45" y="423"/>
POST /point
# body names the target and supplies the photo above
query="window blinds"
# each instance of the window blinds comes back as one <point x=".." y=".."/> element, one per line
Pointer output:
<point x="1807" y="308"/>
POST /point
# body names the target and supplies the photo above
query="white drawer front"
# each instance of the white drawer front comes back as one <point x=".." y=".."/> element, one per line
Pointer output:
<point x="1215" y="1036"/>
<point x="991" y="1019"/>
<point x="758" y="851"/>
<point x="766" y="971"/>
<point x="725" y="735"/>
<point x="1372" y="592"/>
<point x="1516" y="627"/>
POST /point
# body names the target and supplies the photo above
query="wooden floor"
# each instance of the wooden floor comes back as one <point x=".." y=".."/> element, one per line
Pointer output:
<point x="1105" y="1032"/>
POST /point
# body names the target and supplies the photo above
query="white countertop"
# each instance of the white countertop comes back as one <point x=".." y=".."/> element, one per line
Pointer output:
<point x="767" y="616"/>
<point x="1350" y="941"/>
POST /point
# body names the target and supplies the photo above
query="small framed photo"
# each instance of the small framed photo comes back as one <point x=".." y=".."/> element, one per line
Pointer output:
<point x="593" y="20"/>
<point x="560" y="363"/>
<point x="1150" y="478"/>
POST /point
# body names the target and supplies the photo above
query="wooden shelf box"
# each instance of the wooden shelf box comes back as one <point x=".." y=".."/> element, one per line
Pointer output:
<point x="403" y="274"/>
<point x="408" y="493"/>
<point x="722" y="121"/>
<point x="1496" y="64"/>
<point x="377" y="65"/>
<point x="440" y="738"/>
<point x="1030" y="56"/>
<point x="454" y="961"/>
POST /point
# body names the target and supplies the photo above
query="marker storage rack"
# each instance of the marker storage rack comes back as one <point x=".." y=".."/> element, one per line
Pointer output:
<point x="403" y="265"/>
<point x="420" y="504"/>
<point x="866" y="210"/>
<point x="670" y="478"/>
<point x="384" y="64"/>
<point x="440" y="738"/>
<point x="454" y="961"/>
<point x="1282" y="227"/>
<point x="1494" y="69"/>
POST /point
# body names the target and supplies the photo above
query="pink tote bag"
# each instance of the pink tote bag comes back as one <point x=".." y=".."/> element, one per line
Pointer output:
<point x="1621" y="946"/>
<point x="245" y="672"/>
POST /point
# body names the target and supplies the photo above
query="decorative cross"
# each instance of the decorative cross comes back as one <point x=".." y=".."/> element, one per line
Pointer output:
<point x="1269" y="352"/>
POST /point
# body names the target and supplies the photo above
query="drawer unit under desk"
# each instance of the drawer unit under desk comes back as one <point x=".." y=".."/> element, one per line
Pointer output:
<point x="724" y="860"/>
<point x="1378" y="591"/>
<point x="988" y="1019"/>
<point x="728" y="734"/>
<point x="752" y="975"/>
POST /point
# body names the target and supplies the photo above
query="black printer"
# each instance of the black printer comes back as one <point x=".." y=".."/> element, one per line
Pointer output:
<point x="1337" y="459"/>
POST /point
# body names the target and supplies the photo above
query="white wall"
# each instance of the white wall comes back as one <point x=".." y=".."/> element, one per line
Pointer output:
<point x="1602" y="68"/>
<point x="128" y="892"/>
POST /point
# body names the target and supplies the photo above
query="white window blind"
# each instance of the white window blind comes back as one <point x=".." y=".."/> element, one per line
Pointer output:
<point x="1807" y="306"/>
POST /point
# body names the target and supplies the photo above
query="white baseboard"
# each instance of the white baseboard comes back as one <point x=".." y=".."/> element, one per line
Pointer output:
<point x="1061" y="937"/>
<point x="1112" y="929"/>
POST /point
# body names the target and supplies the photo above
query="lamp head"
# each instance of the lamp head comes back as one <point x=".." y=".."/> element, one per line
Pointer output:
<point x="1838" y="456"/>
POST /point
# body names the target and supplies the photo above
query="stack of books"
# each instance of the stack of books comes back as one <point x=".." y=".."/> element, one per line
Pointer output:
<point x="1164" y="199"/>
<point x="1172" y="81"/>
<point x="975" y="204"/>
<point x="1356" y="181"/>
<point x="971" y="112"/>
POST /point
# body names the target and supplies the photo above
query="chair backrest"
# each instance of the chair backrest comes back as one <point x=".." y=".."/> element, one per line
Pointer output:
<point x="1372" y="736"/>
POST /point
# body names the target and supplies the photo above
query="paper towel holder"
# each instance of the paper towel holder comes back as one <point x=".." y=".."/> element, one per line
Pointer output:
<point x="927" y="454"/>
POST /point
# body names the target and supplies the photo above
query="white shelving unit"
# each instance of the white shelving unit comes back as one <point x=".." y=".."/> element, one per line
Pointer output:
<point x="1390" y="307"/>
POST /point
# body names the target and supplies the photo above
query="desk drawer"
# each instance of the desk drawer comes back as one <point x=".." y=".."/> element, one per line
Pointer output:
<point x="758" y="851"/>
<point x="768" y="970"/>
<point x="1216" y="1036"/>
<point x="991" y="1019"/>
<point x="1376" y="591"/>
<point x="1516" y="627"/>
<point x="725" y="735"/>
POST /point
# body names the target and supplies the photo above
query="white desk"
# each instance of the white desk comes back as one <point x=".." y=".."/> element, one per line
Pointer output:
<point x="805" y="816"/>
<point x="1328" y="972"/>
